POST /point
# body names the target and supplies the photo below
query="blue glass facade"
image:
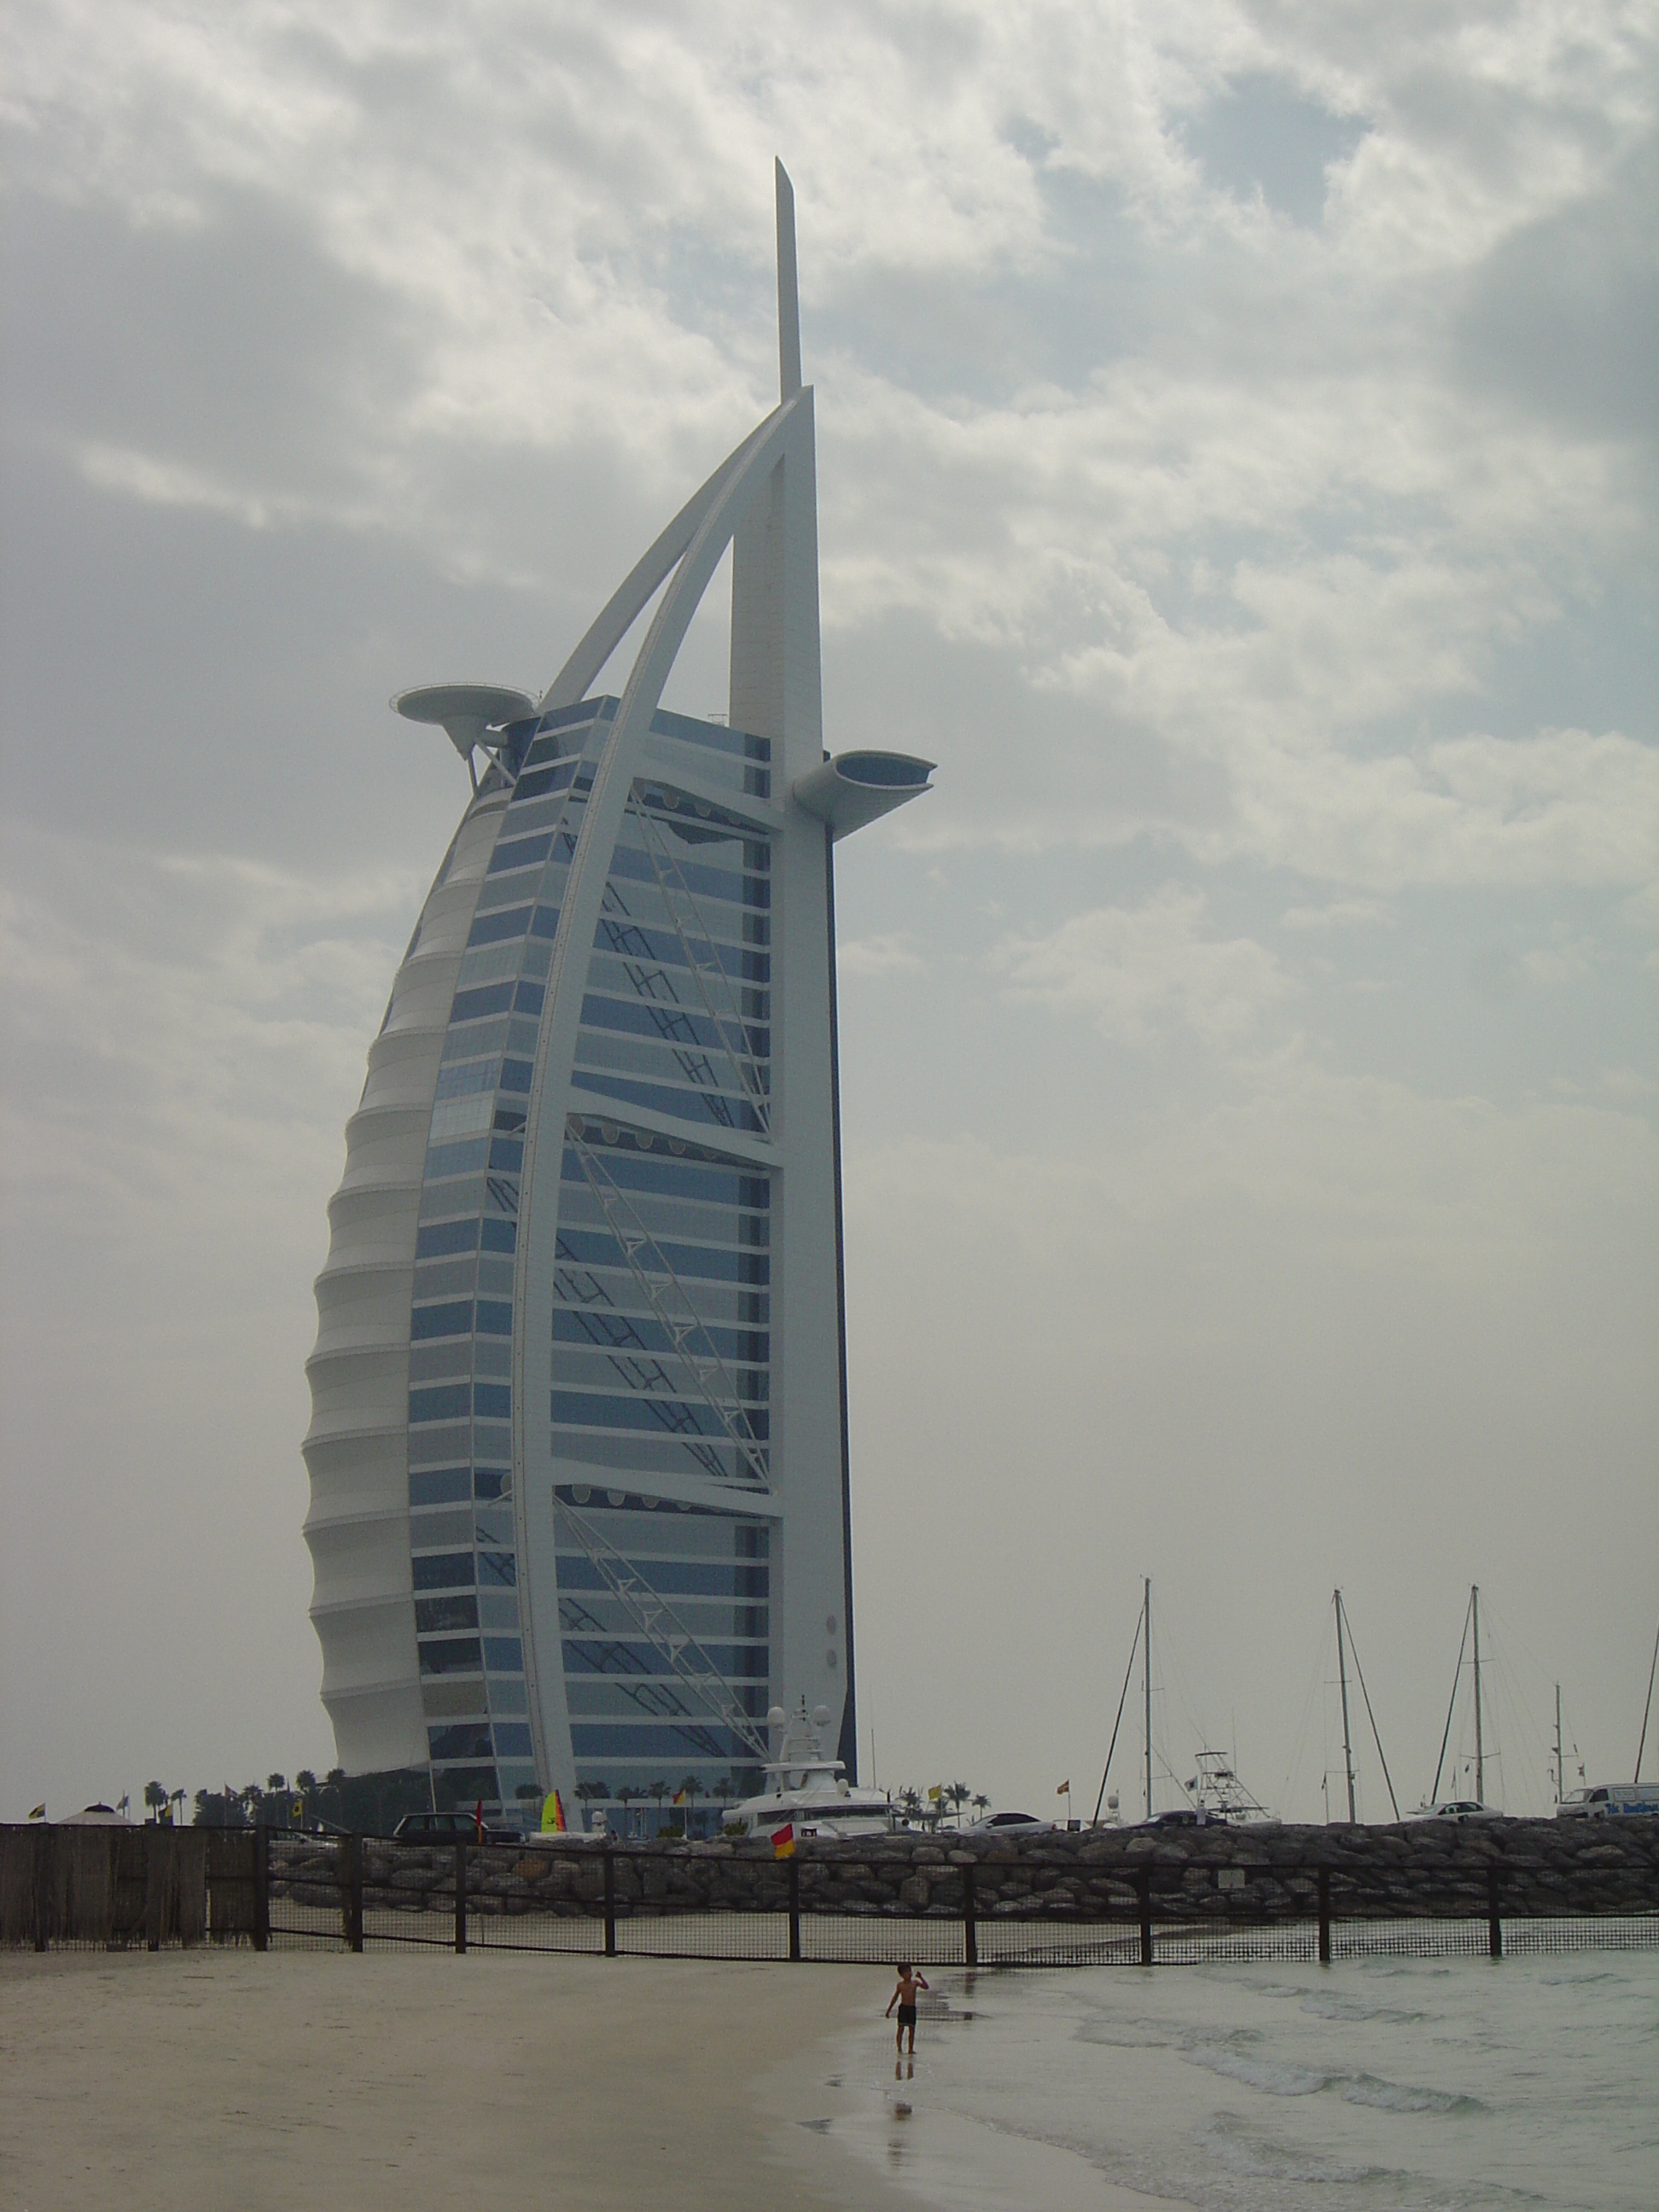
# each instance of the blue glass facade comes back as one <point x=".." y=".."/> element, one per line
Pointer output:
<point x="661" y="1321"/>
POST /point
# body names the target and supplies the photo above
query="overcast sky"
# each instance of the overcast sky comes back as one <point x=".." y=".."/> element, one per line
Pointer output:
<point x="1237" y="467"/>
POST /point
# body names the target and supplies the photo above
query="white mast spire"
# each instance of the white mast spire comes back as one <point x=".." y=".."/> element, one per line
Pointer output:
<point x="788" y="289"/>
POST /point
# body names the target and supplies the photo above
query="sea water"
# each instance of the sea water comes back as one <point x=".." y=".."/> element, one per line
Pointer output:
<point x="1357" y="2088"/>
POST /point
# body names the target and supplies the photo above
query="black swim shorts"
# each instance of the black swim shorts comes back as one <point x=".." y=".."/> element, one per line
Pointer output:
<point x="907" y="2016"/>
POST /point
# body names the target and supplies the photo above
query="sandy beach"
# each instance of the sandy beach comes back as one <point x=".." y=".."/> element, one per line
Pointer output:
<point x="203" y="2078"/>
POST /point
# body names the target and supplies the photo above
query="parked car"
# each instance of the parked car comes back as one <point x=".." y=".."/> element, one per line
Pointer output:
<point x="1009" y="1824"/>
<point x="449" y="1827"/>
<point x="1458" y="1809"/>
<point x="1609" y="1799"/>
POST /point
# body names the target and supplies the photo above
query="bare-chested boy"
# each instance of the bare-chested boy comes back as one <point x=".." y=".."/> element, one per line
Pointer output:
<point x="905" y="1997"/>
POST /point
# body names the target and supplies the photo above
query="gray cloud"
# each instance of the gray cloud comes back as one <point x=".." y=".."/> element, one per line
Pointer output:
<point x="1563" y="314"/>
<point x="1261" y="136"/>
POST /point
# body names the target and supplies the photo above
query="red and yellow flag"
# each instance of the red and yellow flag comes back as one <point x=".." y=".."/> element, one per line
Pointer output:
<point x="783" y="1841"/>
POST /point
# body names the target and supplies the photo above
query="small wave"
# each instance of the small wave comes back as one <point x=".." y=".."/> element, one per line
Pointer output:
<point x="1124" y="2034"/>
<point x="1284" y="2077"/>
<point x="1276" y="2077"/>
<point x="1356" y="2009"/>
<point x="1403" y="2097"/>
<point x="1240" y="2150"/>
<point x="1246" y="2154"/>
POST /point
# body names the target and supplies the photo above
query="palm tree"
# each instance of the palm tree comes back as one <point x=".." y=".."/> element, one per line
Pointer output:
<point x="625" y="1797"/>
<point x="591" y="1792"/>
<point x="658" y="1789"/>
<point x="155" y="1796"/>
<point x="277" y="1783"/>
<point x="981" y="1803"/>
<point x="910" y="1800"/>
<point x="958" y="1793"/>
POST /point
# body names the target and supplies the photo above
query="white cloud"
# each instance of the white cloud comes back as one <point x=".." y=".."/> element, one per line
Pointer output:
<point x="1140" y="973"/>
<point x="1338" y="914"/>
<point x="893" y="955"/>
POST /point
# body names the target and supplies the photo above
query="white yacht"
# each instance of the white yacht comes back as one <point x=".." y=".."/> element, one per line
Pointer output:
<point x="807" y="1790"/>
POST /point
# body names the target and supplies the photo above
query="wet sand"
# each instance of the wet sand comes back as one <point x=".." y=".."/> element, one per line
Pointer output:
<point x="206" y="2078"/>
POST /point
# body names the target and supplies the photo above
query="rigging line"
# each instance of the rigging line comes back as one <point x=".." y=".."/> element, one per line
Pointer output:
<point x="1371" y="1717"/>
<point x="1185" y="1693"/>
<point x="1535" y="1752"/>
<point x="1434" y="1794"/>
<point x="1523" y="1710"/>
<point x="1128" y="1672"/>
<point x="1532" y="1748"/>
<point x="1646" y="1710"/>
<point x="1316" y="1682"/>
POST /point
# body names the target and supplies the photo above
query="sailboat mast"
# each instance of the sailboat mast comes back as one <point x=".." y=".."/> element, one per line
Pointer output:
<point x="1647" y="1709"/>
<point x="1560" y="1770"/>
<point x="1347" y="1745"/>
<point x="1146" y="1652"/>
<point x="1479" y="1749"/>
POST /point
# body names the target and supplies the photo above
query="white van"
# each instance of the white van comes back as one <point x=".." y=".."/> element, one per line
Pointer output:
<point x="1607" y="1798"/>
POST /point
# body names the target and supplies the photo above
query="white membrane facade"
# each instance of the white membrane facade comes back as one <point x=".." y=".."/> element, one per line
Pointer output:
<point x="578" y="1454"/>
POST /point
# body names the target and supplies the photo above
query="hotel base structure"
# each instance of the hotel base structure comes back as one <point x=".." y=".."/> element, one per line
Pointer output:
<point x="579" y="1512"/>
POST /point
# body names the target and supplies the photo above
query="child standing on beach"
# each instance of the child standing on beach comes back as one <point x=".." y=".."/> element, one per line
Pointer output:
<point x="905" y="1997"/>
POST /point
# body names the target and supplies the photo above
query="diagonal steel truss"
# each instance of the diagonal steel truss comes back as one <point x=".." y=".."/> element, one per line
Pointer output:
<point x="663" y="1629"/>
<point x="707" y="972"/>
<point x="671" y="1303"/>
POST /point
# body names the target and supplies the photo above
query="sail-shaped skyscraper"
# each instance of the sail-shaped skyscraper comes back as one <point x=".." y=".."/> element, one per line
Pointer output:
<point x="577" y="1455"/>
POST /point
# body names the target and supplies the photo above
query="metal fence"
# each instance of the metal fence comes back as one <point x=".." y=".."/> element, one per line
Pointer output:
<point x="635" y="1902"/>
<point x="120" y="1888"/>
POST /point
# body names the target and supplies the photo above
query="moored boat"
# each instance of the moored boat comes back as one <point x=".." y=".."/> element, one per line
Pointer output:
<point x="807" y="1792"/>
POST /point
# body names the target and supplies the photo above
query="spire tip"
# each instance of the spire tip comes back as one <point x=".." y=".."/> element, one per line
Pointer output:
<point x="788" y="287"/>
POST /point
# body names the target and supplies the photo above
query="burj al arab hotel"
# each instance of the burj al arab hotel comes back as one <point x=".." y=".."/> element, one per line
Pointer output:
<point x="577" y="1453"/>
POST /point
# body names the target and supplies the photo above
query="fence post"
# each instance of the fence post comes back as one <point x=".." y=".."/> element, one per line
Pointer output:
<point x="460" y="1893"/>
<point x="42" y="1842"/>
<point x="794" y="1908"/>
<point x="1324" y="1915"/>
<point x="1494" y="1924"/>
<point x="969" y="1921"/>
<point x="609" y="1904"/>
<point x="1144" y="1884"/>
<point x="352" y="1869"/>
<point x="262" y="1889"/>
